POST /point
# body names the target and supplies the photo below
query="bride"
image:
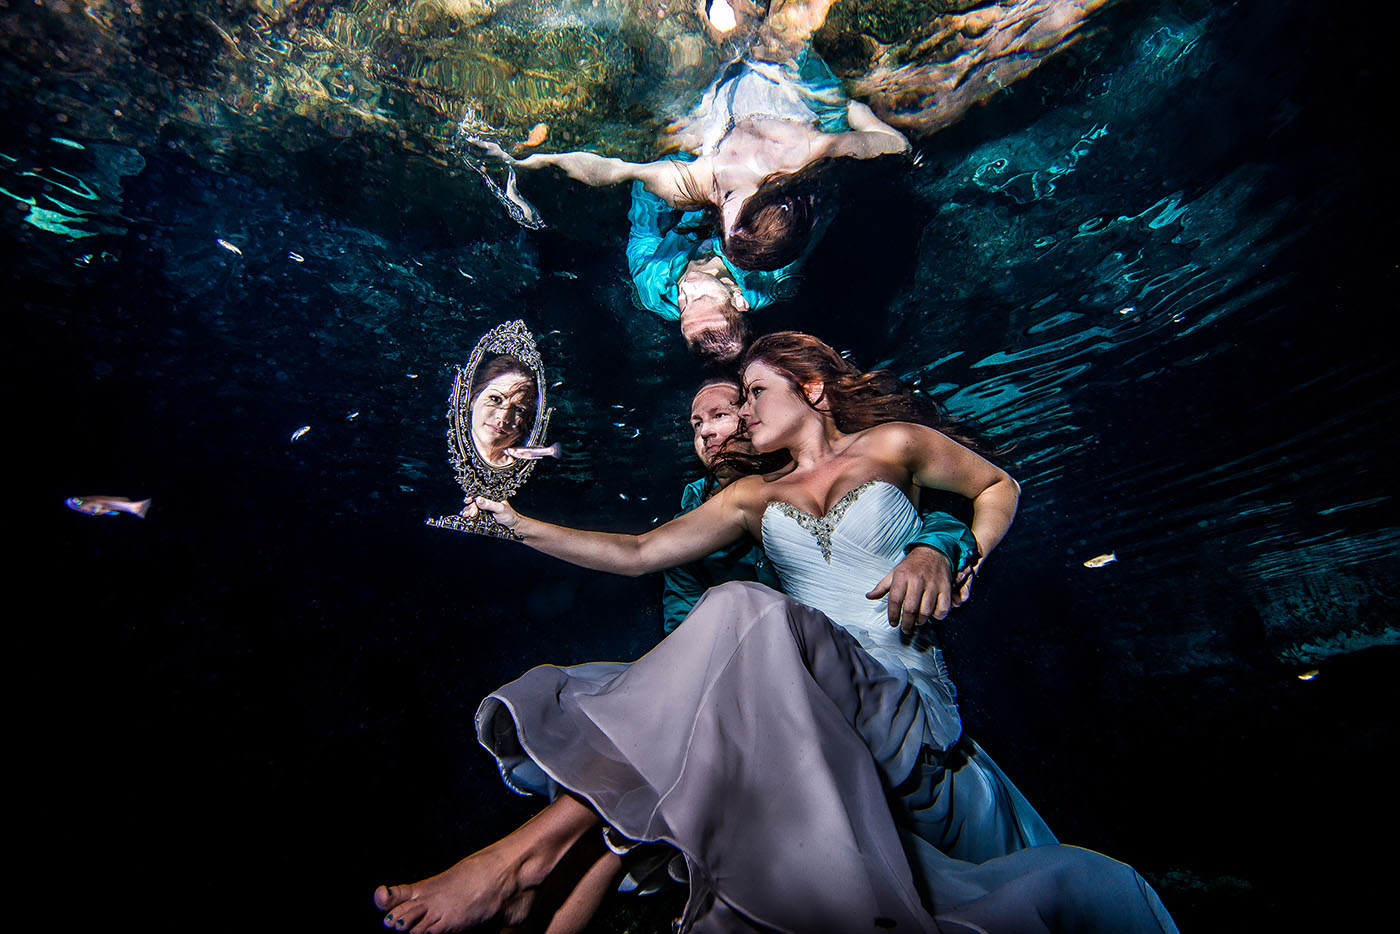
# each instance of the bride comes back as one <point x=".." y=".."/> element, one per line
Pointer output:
<point x="801" y="754"/>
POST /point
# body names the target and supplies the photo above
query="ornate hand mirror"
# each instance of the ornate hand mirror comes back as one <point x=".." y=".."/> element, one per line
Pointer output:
<point x="497" y="408"/>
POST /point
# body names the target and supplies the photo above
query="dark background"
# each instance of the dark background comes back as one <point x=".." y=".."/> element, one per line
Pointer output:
<point x="256" y="705"/>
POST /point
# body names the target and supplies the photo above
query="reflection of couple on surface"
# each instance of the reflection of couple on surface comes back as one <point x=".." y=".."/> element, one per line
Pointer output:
<point x="504" y="396"/>
<point x="719" y="227"/>
<point x="803" y="757"/>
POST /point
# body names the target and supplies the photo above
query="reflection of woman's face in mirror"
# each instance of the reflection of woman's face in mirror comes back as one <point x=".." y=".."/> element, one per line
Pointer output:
<point x="503" y="411"/>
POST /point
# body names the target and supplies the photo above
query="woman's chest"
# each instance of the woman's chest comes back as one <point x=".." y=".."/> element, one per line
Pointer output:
<point x="761" y="145"/>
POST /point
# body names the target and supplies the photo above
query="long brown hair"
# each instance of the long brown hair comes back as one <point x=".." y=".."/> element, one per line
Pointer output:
<point x="776" y="222"/>
<point x="857" y="400"/>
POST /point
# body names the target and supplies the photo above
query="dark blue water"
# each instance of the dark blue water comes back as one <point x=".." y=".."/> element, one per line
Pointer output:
<point x="1163" y="266"/>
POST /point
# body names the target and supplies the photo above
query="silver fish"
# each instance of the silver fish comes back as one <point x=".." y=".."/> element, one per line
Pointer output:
<point x="228" y="246"/>
<point x="107" y="505"/>
<point x="534" y="454"/>
<point x="300" y="431"/>
<point x="1101" y="560"/>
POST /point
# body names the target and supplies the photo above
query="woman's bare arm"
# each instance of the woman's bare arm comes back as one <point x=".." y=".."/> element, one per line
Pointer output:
<point x="719" y="521"/>
<point x="663" y="178"/>
<point x="936" y="461"/>
<point x="868" y="138"/>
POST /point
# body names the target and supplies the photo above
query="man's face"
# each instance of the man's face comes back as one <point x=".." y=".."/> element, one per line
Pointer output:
<point x="706" y="284"/>
<point x="707" y="300"/>
<point x="714" y="417"/>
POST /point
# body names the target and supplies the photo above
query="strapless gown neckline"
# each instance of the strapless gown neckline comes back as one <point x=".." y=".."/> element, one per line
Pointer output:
<point x="823" y="526"/>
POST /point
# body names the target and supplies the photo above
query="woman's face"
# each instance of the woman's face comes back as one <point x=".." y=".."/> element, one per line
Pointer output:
<point x="714" y="417"/>
<point x="772" y="411"/>
<point x="500" y="412"/>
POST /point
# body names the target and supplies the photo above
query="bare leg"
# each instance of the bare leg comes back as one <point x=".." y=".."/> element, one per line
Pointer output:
<point x="582" y="904"/>
<point x="574" y="891"/>
<point x="566" y="902"/>
<point x="498" y="883"/>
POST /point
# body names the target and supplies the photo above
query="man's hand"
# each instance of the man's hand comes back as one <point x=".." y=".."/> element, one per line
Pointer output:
<point x="920" y="588"/>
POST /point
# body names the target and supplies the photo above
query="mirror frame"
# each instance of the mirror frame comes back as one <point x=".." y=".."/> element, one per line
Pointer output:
<point x="474" y="475"/>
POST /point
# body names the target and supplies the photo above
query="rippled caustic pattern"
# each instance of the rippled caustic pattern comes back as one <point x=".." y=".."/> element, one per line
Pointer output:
<point x="1148" y="246"/>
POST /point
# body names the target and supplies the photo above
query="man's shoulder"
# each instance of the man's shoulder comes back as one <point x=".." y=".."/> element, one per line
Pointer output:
<point x="693" y="494"/>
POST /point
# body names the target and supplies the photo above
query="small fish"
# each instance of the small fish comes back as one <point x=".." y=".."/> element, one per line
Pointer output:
<point x="228" y="246"/>
<point x="1308" y="675"/>
<point x="534" y="454"/>
<point x="538" y="134"/>
<point x="466" y="275"/>
<point x="300" y="431"/>
<point x="1101" y="560"/>
<point x="107" y="505"/>
<point x="565" y="274"/>
<point x="353" y="415"/>
<point x="296" y="257"/>
<point x="411" y="375"/>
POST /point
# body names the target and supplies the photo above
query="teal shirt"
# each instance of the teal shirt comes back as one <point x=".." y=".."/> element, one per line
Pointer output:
<point x="663" y="241"/>
<point x="744" y="560"/>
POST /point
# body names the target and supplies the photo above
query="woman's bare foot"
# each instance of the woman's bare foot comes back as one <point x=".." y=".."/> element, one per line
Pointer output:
<point x="496" y="884"/>
<point x="485" y="886"/>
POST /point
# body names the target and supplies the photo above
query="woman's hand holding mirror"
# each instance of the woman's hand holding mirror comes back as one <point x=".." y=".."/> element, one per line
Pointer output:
<point x="503" y="513"/>
<point x="497" y="417"/>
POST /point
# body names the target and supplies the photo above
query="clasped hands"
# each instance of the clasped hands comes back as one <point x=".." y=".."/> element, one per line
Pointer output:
<point x="921" y="588"/>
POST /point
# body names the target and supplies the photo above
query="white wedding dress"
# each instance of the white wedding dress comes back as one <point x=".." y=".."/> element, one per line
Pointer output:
<point x="806" y="761"/>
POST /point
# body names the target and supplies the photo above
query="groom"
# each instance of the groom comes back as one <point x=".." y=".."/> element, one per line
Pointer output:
<point x="920" y="588"/>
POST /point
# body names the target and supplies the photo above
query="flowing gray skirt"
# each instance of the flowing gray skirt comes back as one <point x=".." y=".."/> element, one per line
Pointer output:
<point x="790" y="770"/>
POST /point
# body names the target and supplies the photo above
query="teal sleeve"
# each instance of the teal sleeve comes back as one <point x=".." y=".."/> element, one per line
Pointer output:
<point x="656" y="254"/>
<point x="686" y="584"/>
<point x="943" y="533"/>
<point x="684" y="587"/>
